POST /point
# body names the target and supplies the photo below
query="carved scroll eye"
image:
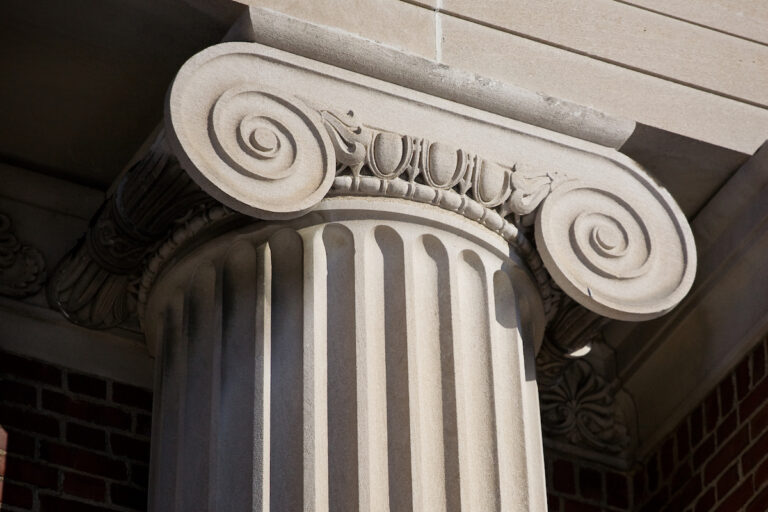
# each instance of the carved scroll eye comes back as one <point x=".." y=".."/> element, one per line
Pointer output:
<point x="255" y="150"/>
<point x="630" y="257"/>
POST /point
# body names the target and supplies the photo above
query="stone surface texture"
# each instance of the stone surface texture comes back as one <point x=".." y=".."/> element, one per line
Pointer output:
<point x="743" y="18"/>
<point x="633" y="38"/>
<point x="389" y="348"/>
<point x="612" y="56"/>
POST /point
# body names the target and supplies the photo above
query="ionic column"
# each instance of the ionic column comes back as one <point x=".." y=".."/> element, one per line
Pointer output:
<point x="356" y="327"/>
<point x="370" y="357"/>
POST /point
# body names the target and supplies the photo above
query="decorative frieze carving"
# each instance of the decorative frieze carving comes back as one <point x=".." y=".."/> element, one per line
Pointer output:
<point x="508" y="190"/>
<point x="22" y="267"/>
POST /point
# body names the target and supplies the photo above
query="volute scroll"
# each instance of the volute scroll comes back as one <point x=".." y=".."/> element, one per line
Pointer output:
<point x="251" y="148"/>
<point x="619" y="245"/>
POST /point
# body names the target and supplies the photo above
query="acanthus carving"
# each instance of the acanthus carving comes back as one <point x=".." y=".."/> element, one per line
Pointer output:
<point x="581" y="402"/>
<point x="95" y="284"/>
<point x="580" y="408"/>
<point x="22" y="267"/>
<point x="184" y="230"/>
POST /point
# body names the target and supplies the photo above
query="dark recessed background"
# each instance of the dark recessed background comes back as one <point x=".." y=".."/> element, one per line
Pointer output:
<point x="82" y="82"/>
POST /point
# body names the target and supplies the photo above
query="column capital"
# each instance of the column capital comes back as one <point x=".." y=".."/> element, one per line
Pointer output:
<point x="269" y="134"/>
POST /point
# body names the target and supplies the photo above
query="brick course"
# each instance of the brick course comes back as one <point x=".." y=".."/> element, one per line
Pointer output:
<point x="75" y="442"/>
<point x="716" y="460"/>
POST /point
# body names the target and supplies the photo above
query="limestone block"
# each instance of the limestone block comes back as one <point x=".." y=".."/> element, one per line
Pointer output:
<point x="743" y="18"/>
<point x="634" y="38"/>
<point x="390" y="22"/>
<point x="614" y="89"/>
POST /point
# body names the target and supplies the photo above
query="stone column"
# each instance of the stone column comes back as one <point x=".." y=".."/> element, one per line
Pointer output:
<point x="374" y="355"/>
<point x="355" y="328"/>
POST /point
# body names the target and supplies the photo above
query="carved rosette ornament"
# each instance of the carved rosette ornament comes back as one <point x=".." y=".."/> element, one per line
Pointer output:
<point x="580" y="407"/>
<point x="22" y="268"/>
<point x="583" y="406"/>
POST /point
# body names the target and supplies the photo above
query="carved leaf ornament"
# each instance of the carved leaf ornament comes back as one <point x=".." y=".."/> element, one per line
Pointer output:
<point x="22" y="268"/>
<point x="579" y="406"/>
<point x="615" y="241"/>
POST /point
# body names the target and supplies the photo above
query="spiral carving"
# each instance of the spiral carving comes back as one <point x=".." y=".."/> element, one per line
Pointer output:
<point x="256" y="144"/>
<point x="613" y="241"/>
<point x="629" y="259"/>
<point x="256" y="151"/>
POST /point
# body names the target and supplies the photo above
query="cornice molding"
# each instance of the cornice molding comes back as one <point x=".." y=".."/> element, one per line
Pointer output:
<point x="371" y="58"/>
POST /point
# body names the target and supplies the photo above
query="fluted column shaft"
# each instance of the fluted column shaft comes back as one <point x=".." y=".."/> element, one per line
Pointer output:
<point x="373" y="355"/>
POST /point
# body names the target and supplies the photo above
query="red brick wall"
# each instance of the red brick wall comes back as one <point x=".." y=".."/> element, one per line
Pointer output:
<point x="74" y="442"/>
<point x="716" y="460"/>
<point x="574" y="486"/>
